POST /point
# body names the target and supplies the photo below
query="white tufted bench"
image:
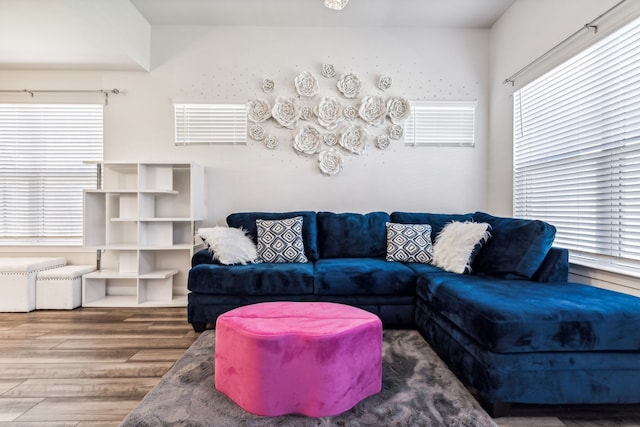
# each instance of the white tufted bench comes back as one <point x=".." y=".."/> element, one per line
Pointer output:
<point x="18" y="281"/>
<point x="61" y="288"/>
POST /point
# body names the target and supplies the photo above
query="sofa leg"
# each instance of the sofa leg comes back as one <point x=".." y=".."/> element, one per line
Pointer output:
<point x="199" y="326"/>
<point x="497" y="409"/>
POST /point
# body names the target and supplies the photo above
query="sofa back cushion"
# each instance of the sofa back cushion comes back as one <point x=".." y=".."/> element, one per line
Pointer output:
<point x="247" y="220"/>
<point x="435" y="220"/>
<point x="352" y="235"/>
<point x="517" y="247"/>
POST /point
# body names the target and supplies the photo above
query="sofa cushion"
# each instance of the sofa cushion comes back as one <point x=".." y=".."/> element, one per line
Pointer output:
<point x="352" y="235"/>
<point x="229" y="245"/>
<point x="363" y="276"/>
<point x="517" y="246"/>
<point x="247" y="220"/>
<point x="458" y="244"/>
<point x="409" y="243"/>
<point x="280" y="240"/>
<point x="435" y="220"/>
<point x="519" y="316"/>
<point x="252" y="279"/>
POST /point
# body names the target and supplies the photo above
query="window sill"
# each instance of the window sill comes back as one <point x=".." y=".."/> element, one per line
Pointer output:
<point x="614" y="278"/>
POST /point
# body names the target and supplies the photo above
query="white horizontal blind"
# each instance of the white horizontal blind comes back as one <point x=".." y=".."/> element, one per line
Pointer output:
<point x="42" y="174"/>
<point x="577" y="151"/>
<point x="441" y="123"/>
<point x="210" y="124"/>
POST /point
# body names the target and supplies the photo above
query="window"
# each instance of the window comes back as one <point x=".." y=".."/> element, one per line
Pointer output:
<point x="577" y="151"/>
<point x="441" y="123"/>
<point x="42" y="175"/>
<point x="210" y="124"/>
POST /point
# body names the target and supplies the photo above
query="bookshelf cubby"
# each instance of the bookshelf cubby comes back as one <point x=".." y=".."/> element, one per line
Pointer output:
<point x="141" y="220"/>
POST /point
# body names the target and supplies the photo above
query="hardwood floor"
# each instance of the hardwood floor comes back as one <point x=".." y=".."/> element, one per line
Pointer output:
<point x="86" y="367"/>
<point x="91" y="367"/>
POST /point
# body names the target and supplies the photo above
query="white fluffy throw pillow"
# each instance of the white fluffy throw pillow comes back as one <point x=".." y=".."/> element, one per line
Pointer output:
<point x="458" y="243"/>
<point x="229" y="245"/>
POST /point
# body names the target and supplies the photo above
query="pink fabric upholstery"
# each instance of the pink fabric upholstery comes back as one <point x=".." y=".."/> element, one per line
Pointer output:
<point x="310" y="358"/>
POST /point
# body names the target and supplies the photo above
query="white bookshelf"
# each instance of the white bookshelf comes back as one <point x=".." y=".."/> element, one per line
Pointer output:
<point x="141" y="220"/>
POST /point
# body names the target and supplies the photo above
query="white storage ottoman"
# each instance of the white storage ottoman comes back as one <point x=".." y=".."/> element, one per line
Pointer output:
<point x="18" y="281"/>
<point x="61" y="288"/>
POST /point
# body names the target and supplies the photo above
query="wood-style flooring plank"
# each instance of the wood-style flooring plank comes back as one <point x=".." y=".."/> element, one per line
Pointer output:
<point x="52" y="409"/>
<point x="127" y="369"/>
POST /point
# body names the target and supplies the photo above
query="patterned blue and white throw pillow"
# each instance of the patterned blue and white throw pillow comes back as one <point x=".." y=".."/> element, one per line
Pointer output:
<point x="409" y="243"/>
<point x="280" y="240"/>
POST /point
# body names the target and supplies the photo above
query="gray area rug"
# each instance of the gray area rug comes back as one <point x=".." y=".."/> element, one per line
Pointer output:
<point x="417" y="390"/>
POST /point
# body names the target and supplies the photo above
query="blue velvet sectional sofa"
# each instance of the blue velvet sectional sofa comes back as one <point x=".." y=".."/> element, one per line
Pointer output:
<point x="514" y="330"/>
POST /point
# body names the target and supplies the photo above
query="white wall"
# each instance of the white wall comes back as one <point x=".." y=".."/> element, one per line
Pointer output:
<point x="527" y="30"/>
<point x="229" y="64"/>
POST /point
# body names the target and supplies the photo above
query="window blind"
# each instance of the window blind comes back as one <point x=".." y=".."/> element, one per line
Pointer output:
<point x="210" y="124"/>
<point x="577" y="151"/>
<point x="441" y="123"/>
<point x="42" y="149"/>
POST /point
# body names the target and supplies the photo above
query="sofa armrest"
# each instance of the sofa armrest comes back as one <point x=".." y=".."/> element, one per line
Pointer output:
<point x="203" y="256"/>
<point x="555" y="267"/>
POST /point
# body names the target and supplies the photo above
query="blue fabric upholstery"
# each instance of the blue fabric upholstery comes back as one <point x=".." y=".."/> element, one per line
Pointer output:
<point x="352" y="235"/>
<point x="554" y="268"/>
<point x="516" y="248"/>
<point x="537" y="377"/>
<point x="247" y="220"/>
<point x="519" y="316"/>
<point x="253" y="279"/>
<point x="363" y="276"/>
<point x="435" y="220"/>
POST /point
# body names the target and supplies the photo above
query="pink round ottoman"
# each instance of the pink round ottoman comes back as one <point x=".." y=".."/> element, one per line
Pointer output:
<point x="311" y="358"/>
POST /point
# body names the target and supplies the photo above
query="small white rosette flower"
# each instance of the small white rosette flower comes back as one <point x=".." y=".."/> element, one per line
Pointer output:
<point x="271" y="141"/>
<point x="330" y="161"/>
<point x="349" y="85"/>
<point x="328" y="112"/>
<point x="256" y="132"/>
<point x="396" y="131"/>
<point x="384" y="82"/>
<point x="328" y="71"/>
<point x="267" y="85"/>
<point x="306" y="84"/>
<point x="258" y="110"/>
<point x="286" y="111"/>
<point x="307" y="141"/>
<point x="353" y="138"/>
<point x="373" y="110"/>
<point x="350" y="112"/>
<point x="382" y="142"/>
<point x="398" y="109"/>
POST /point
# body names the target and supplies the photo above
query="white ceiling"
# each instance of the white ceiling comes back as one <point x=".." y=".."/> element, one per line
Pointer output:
<point x="115" y="34"/>
<point x="357" y="13"/>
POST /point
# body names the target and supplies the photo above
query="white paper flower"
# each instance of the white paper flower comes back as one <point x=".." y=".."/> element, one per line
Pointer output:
<point x="384" y="82"/>
<point x="306" y="112"/>
<point x="271" y="141"/>
<point x="382" y="142"/>
<point x="307" y="141"/>
<point x="350" y="112"/>
<point x="330" y="161"/>
<point x="398" y="109"/>
<point x="372" y="110"/>
<point x="353" y="138"/>
<point x="330" y="138"/>
<point x="328" y="71"/>
<point x="306" y="84"/>
<point x="267" y="85"/>
<point x="258" y="110"/>
<point x="349" y="85"/>
<point x="328" y="112"/>
<point x="256" y="132"/>
<point x="286" y="111"/>
<point x="395" y="131"/>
